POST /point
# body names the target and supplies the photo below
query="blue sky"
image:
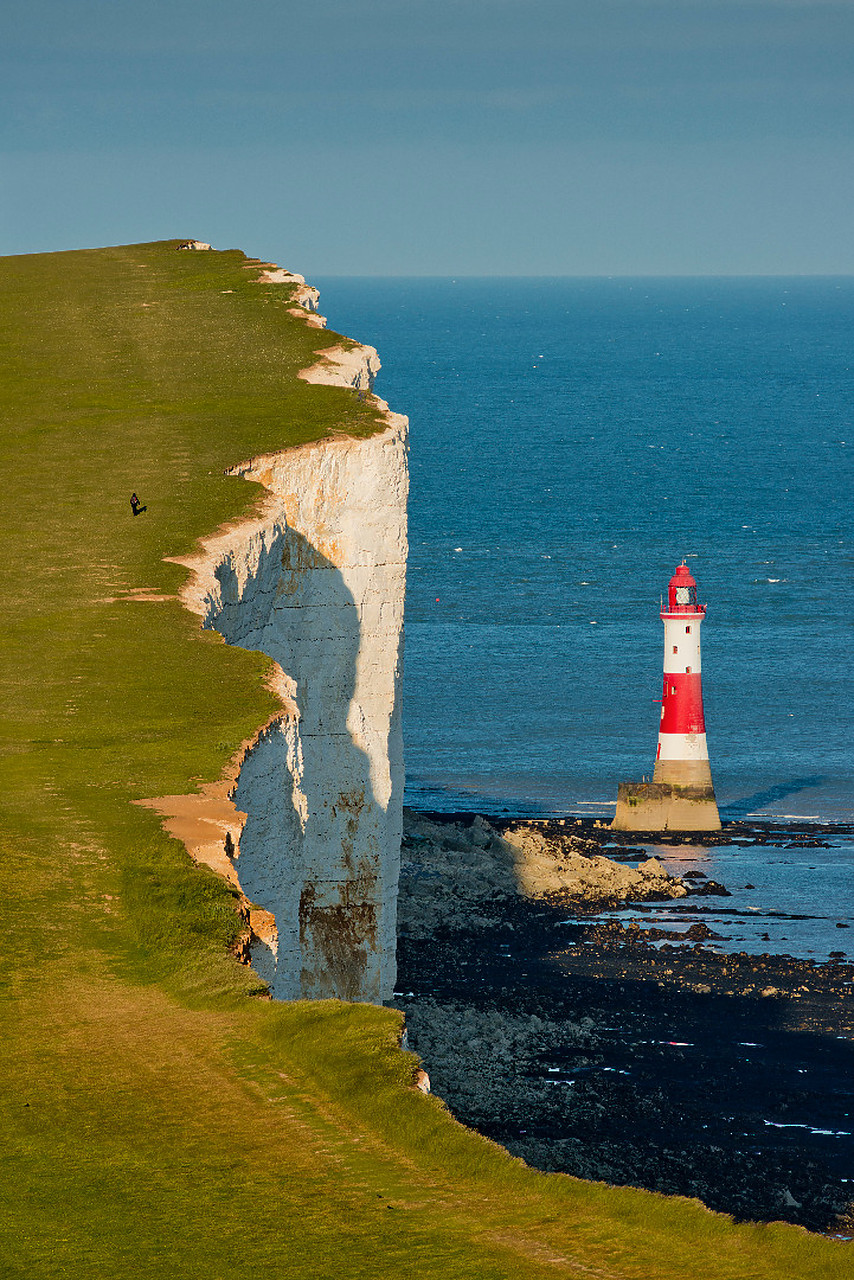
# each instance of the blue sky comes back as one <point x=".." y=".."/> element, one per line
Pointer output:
<point x="479" y="137"/>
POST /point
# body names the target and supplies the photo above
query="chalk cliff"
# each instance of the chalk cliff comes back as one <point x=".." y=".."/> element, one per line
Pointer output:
<point x="317" y="581"/>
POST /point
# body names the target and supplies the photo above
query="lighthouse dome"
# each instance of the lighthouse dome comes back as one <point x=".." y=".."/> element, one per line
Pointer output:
<point x="682" y="591"/>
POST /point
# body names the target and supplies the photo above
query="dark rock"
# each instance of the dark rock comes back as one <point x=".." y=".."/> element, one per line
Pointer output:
<point x="617" y="1061"/>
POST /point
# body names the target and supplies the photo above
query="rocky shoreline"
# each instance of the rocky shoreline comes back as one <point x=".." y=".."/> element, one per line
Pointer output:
<point x="606" y="1052"/>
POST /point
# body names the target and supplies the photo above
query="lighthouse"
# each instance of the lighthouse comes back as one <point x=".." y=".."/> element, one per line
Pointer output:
<point x="682" y="756"/>
<point x="681" y="796"/>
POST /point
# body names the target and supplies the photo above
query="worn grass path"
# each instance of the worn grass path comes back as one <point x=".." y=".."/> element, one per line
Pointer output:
<point x="159" y="1118"/>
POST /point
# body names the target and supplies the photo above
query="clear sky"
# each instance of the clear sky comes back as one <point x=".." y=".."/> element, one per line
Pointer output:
<point x="436" y="137"/>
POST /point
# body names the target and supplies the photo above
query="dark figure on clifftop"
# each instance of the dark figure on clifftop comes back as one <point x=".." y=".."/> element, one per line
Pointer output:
<point x="135" y="505"/>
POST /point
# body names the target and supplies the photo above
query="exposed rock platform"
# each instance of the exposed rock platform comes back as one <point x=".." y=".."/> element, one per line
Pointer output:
<point x="463" y="875"/>
<point x="581" y="1047"/>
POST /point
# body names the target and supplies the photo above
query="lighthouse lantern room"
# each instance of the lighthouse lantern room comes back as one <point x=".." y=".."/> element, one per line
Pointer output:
<point x="681" y="796"/>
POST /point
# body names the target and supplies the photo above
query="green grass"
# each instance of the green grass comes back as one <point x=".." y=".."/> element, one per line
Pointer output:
<point x="160" y="1119"/>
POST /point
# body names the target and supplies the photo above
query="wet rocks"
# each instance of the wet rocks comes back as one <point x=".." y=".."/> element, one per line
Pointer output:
<point x="557" y="867"/>
<point x="461" y="875"/>
<point x="453" y="876"/>
<point x="582" y="1048"/>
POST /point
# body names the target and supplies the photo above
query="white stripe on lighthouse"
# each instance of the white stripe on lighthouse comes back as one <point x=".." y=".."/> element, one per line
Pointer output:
<point x="682" y="644"/>
<point x="682" y="746"/>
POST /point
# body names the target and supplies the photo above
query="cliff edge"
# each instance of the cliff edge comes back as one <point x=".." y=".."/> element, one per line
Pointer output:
<point x="308" y="825"/>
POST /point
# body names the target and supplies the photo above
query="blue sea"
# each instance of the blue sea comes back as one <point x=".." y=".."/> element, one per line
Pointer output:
<point x="571" y="441"/>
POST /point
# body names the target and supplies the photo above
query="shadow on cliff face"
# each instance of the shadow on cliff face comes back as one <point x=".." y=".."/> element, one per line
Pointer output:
<point x="312" y="849"/>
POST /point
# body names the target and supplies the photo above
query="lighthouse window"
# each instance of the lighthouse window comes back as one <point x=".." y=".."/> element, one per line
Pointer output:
<point x="676" y="648"/>
<point x="688" y="670"/>
<point x="687" y="631"/>
<point x="673" y="688"/>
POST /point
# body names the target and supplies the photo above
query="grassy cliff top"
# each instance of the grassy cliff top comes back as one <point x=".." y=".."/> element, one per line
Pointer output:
<point x="160" y="1118"/>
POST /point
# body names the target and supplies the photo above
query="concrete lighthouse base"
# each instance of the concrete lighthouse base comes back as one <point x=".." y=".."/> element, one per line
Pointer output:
<point x="665" y="806"/>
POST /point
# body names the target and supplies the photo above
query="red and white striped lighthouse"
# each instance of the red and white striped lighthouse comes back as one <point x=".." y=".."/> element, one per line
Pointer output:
<point x="682" y="758"/>
<point x="681" y="796"/>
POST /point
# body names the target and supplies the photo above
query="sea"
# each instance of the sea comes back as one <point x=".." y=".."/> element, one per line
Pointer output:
<point x="572" y="441"/>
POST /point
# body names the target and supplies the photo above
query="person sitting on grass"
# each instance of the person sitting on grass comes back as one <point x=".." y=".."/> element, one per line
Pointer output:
<point x="135" y="505"/>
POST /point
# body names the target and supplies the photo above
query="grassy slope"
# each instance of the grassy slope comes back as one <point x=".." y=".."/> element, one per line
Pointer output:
<point x="159" y="1120"/>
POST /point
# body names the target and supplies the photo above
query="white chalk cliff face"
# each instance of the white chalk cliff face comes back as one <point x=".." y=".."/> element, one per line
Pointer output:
<point x="317" y="583"/>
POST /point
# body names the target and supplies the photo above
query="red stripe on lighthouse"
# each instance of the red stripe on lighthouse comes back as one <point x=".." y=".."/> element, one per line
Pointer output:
<point x="682" y="703"/>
